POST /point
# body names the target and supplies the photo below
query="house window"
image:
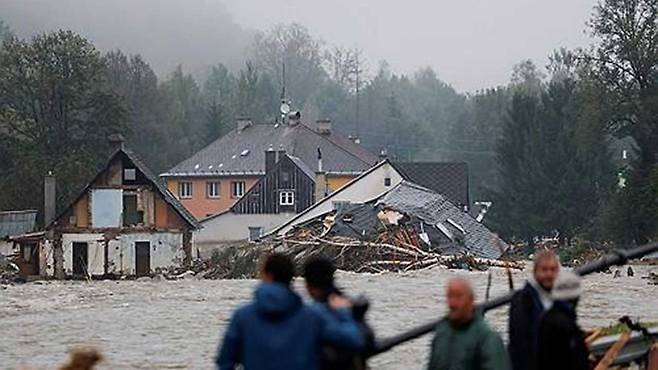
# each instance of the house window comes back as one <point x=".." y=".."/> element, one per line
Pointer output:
<point x="387" y="181"/>
<point x="129" y="174"/>
<point x="212" y="189"/>
<point x="185" y="190"/>
<point x="237" y="189"/>
<point x="287" y="198"/>
<point x="131" y="215"/>
<point x="255" y="232"/>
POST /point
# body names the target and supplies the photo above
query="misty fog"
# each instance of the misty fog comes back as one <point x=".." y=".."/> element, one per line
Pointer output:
<point x="471" y="44"/>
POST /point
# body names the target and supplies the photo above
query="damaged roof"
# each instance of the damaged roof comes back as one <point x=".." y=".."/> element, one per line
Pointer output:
<point x="154" y="180"/>
<point x="447" y="178"/>
<point x="449" y="229"/>
<point x="243" y="152"/>
<point x="160" y="186"/>
<point x="435" y="209"/>
<point x="17" y="222"/>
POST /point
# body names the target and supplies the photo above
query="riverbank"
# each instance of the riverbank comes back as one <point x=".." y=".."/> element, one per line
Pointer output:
<point x="178" y="324"/>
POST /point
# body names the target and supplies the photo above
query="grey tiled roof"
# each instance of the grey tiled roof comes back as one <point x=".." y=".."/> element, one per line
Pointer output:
<point x="433" y="208"/>
<point x="14" y="223"/>
<point x="302" y="166"/>
<point x="446" y="178"/>
<point x="243" y="152"/>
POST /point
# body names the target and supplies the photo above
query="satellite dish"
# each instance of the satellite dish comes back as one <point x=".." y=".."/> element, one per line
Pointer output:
<point x="285" y="108"/>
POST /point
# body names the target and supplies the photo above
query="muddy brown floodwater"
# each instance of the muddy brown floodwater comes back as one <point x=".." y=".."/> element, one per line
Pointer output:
<point x="177" y="324"/>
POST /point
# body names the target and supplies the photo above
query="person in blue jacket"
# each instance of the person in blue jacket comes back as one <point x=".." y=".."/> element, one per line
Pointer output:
<point x="277" y="331"/>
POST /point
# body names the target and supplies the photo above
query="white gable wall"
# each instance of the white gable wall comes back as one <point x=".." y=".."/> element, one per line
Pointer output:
<point x="362" y="189"/>
<point x="230" y="227"/>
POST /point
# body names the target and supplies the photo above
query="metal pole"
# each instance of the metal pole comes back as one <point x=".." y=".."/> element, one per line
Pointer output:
<point x="616" y="258"/>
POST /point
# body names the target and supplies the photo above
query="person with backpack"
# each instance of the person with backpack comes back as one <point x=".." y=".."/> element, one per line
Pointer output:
<point x="278" y="331"/>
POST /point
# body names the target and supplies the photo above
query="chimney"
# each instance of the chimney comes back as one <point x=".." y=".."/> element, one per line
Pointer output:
<point x="294" y="118"/>
<point x="321" y="184"/>
<point x="243" y="123"/>
<point x="320" y="169"/>
<point x="49" y="198"/>
<point x="280" y="154"/>
<point x="270" y="159"/>
<point x="383" y="155"/>
<point x="323" y="126"/>
<point x="116" y="142"/>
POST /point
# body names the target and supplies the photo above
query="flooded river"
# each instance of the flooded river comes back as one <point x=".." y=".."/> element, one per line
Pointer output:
<point x="177" y="324"/>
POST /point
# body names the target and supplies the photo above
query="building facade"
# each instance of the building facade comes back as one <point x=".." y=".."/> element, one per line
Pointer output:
<point x="288" y="188"/>
<point x="214" y="179"/>
<point x="125" y="222"/>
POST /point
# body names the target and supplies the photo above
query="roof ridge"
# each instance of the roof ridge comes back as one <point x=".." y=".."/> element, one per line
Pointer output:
<point x="335" y="144"/>
<point x="166" y="194"/>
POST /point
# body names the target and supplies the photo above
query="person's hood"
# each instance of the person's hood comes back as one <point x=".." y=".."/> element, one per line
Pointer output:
<point x="276" y="300"/>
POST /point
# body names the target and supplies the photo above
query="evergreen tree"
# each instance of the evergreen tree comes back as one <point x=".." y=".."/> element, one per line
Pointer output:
<point x="56" y="113"/>
<point x="626" y="62"/>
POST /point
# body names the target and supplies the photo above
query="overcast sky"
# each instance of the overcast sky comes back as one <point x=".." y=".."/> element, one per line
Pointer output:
<point x="472" y="44"/>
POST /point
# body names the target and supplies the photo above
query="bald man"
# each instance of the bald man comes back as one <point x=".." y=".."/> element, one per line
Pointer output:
<point x="463" y="340"/>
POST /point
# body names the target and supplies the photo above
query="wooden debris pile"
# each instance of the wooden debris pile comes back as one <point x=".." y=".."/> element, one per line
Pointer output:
<point x="9" y="271"/>
<point x="394" y="242"/>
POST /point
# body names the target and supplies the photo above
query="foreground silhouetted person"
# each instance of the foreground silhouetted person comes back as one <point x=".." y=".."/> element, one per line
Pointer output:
<point x="463" y="340"/>
<point x="319" y="276"/>
<point x="83" y="358"/>
<point x="277" y="331"/>
<point x="561" y="341"/>
<point x="527" y="307"/>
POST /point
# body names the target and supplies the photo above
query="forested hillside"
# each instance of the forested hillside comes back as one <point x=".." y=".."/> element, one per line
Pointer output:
<point x="546" y="147"/>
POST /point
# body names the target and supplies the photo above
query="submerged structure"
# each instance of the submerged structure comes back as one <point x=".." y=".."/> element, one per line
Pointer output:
<point x="124" y="222"/>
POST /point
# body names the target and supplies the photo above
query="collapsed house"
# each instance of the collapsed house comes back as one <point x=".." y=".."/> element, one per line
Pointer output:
<point x="124" y="222"/>
<point x="19" y="242"/>
<point x="449" y="179"/>
<point x="13" y="223"/>
<point x="407" y="227"/>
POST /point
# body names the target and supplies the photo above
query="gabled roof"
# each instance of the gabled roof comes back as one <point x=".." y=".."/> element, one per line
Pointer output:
<point x="446" y="178"/>
<point x="17" y="222"/>
<point x="296" y="161"/>
<point x="154" y="180"/>
<point x="243" y="152"/>
<point x="328" y="197"/>
<point x="435" y="209"/>
<point x="160" y="186"/>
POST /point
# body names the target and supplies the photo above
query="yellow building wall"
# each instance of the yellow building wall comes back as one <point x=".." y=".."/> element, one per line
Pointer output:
<point x="200" y="205"/>
<point x="336" y="182"/>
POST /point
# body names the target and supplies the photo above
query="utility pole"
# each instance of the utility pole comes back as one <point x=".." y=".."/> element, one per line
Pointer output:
<point x="358" y="81"/>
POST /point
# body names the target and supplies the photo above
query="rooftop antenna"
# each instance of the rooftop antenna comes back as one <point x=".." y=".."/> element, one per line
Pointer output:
<point x="285" y="104"/>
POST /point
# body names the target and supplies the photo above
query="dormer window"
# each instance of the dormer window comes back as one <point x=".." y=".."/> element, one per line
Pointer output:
<point x="287" y="198"/>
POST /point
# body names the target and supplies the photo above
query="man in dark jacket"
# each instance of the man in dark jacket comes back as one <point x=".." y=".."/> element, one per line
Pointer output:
<point x="526" y="309"/>
<point x="561" y="341"/>
<point x="277" y="331"/>
<point x="319" y="276"/>
<point x="463" y="340"/>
